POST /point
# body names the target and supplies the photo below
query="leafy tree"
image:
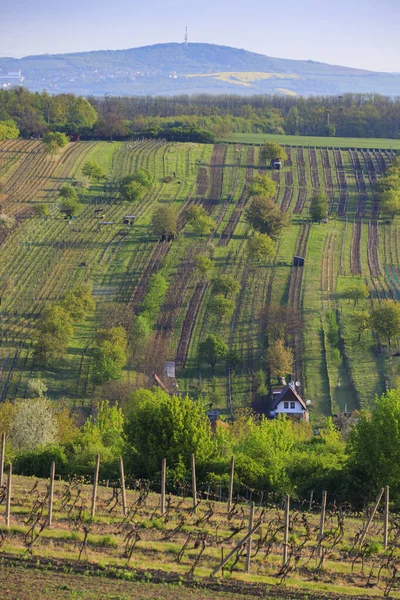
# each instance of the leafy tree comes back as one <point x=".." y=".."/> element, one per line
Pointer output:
<point x="68" y="191"/>
<point x="266" y="217"/>
<point x="260" y="247"/>
<point x="93" y="170"/>
<point x="212" y="350"/>
<point x="6" y="222"/>
<point x="154" y="298"/>
<point x="71" y="207"/>
<point x="319" y="207"/>
<point x="55" y="332"/>
<point x="374" y="448"/>
<point x="357" y="293"/>
<point x="79" y="301"/>
<point x="293" y="121"/>
<point x="54" y="141"/>
<point x="162" y="426"/>
<point x="280" y="321"/>
<point x="200" y="221"/>
<point x="279" y="359"/>
<point x="109" y="354"/>
<point x="390" y="202"/>
<point x="204" y="264"/>
<point x="37" y="388"/>
<point x="34" y="425"/>
<point x="272" y="150"/>
<point x="132" y="192"/>
<point x="262" y="185"/>
<point x="362" y="322"/>
<point x="222" y="307"/>
<point x="8" y="130"/>
<point x="226" y="285"/>
<point x="42" y="210"/>
<point x="142" y="176"/>
<point x="141" y="328"/>
<point x="164" y="221"/>
<point x="385" y="320"/>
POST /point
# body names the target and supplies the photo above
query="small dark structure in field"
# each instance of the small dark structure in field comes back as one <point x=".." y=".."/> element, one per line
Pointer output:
<point x="168" y="238"/>
<point x="74" y="137"/>
<point x="298" y="261"/>
<point x="276" y="164"/>
<point x="129" y="220"/>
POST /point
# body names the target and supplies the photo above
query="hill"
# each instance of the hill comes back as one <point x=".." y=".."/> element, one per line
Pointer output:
<point x="169" y="69"/>
<point x="44" y="258"/>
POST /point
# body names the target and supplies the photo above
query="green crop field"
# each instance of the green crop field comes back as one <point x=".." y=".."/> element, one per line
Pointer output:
<point x="314" y="141"/>
<point x="47" y="257"/>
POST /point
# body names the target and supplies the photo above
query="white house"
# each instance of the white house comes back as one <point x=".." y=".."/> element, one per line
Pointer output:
<point x="288" y="402"/>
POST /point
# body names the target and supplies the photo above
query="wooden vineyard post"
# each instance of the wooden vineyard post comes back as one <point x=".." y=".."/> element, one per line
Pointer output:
<point x="95" y="484"/>
<point x="51" y="492"/>
<point x="311" y="500"/>
<point x="365" y="531"/>
<point x="123" y="492"/>
<point x="235" y="549"/>
<point x="2" y="456"/>
<point x="386" y="523"/>
<point x="248" y="554"/>
<point x="194" y="485"/>
<point x="286" y="530"/>
<point x="230" y="493"/>
<point x="163" y="480"/>
<point x="321" y="524"/>
<point x="8" y="500"/>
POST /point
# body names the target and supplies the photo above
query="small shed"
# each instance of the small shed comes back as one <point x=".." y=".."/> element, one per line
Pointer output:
<point x="298" y="261"/>
<point x="129" y="220"/>
<point x="74" y="137"/>
<point x="276" y="164"/>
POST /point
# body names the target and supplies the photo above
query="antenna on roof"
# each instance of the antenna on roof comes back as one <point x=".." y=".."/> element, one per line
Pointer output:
<point x="186" y="37"/>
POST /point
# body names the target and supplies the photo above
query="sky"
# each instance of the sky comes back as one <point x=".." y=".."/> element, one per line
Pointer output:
<point x="354" y="33"/>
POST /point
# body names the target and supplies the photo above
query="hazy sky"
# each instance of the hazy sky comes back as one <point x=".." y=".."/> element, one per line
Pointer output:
<point x="357" y="33"/>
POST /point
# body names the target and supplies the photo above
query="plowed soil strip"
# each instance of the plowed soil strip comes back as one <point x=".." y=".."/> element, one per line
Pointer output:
<point x="202" y="182"/>
<point x="341" y="175"/>
<point x="329" y="187"/>
<point x="314" y="170"/>
<point x="369" y="163"/>
<point x="373" y="250"/>
<point x="188" y="324"/>
<point x="361" y="187"/>
<point x="355" y="257"/>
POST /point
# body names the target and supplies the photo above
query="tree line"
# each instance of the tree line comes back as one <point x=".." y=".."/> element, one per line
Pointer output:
<point x="277" y="456"/>
<point x="200" y="118"/>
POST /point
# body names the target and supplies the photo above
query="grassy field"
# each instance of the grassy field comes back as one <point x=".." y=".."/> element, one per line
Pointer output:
<point x="47" y="257"/>
<point x="79" y="556"/>
<point x="327" y="142"/>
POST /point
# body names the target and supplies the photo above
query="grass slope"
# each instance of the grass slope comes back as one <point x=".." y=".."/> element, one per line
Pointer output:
<point x="44" y="257"/>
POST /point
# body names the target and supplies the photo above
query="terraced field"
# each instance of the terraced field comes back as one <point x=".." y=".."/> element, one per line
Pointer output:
<point x="44" y="258"/>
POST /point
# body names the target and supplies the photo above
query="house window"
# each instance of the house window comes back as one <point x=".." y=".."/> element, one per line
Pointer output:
<point x="293" y="405"/>
<point x="286" y="405"/>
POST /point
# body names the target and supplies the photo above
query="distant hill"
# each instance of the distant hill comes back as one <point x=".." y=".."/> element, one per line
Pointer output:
<point x="168" y="69"/>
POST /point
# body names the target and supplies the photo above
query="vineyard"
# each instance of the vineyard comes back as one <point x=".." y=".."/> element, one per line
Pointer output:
<point x="252" y="544"/>
<point x="45" y="257"/>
